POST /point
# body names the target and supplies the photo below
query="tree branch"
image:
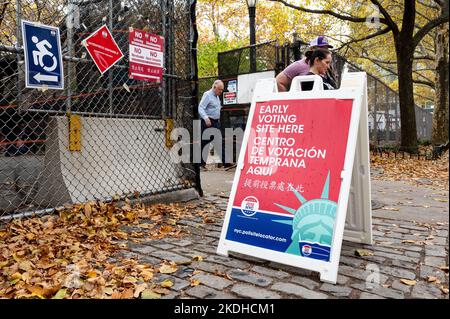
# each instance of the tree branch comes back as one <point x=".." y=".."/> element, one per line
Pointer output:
<point x="424" y="80"/>
<point x="3" y="12"/>
<point x="424" y="57"/>
<point x="370" y="36"/>
<point x="380" y="65"/>
<point x="376" y="60"/>
<point x="328" y="12"/>
<point x="430" y="25"/>
<point x="388" y="20"/>
<point x="428" y="5"/>
<point x="424" y="97"/>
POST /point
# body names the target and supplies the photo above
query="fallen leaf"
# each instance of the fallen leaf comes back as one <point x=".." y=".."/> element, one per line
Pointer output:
<point x="129" y="280"/>
<point x="171" y="221"/>
<point x="146" y="275"/>
<point x="166" y="229"/>
<point x="30" y="236"/>
<point x="60" y="294"/>
<point x="209" y="220"/>
<point x="408" y="282"/>
<point x="127" y="294"/>
<point x="26" y="265"/>
<point x="390" y="208"/>
<point x="197" y="257"/>
<point x="444" y="268"/>
<point x="150" y="294"/>
<point x="167" y="269"/>
<point x="36" y="290"/>
<point x="167" y="283"/>
<point x="444" y="290"/>
<point x="121" y="235"/>
<point x="363" y="252"/>
<point x="195" y="282"/>
<point x="116" y="295"/>
<point x="408" y="241"/>
<point x="432" y="279"/>
<point x="161" y="291"/>
<point x="138" y="289"/>
<point x="109" y="291"/>
<point x="443" y="200"/>
<point x="16" y="257"/>
<point x="88" y="210"/>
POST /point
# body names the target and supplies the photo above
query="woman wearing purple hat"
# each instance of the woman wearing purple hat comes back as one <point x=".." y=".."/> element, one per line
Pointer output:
<point x="302" y="67"/>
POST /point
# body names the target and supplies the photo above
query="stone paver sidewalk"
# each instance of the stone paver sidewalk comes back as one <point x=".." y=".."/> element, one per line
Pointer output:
<point x="409" y="258"/>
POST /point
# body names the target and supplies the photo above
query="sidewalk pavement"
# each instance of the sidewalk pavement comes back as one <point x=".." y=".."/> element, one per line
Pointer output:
<point x="409" y="254"/>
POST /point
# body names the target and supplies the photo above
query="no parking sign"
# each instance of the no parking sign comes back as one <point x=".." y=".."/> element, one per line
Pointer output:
<point x="146" y="56"/>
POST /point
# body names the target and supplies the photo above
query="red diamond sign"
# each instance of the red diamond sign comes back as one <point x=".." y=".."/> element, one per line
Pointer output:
<point x="103" y="49"/>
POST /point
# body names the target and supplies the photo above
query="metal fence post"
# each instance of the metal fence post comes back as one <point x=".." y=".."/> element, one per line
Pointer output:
<point x="165" y="64"/>
<point x="375" y="112"/>
<point x="69" y="24"/>
<point x="19" y="60"/>
<point x="387" y="115"/>
<point x="110" y="71"/>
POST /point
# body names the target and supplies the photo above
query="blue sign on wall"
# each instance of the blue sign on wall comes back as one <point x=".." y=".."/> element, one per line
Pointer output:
<point x="43" y="59"/>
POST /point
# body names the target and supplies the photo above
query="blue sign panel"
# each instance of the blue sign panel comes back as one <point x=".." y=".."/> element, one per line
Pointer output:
<point x="43" y="60"/>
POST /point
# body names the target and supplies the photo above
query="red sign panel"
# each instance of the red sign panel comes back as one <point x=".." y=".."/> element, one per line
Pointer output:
<point x="103" y="49"/>
<point x="146" y="56"/>
<point x="229" y="98"/>
<point x="288" y="189"/>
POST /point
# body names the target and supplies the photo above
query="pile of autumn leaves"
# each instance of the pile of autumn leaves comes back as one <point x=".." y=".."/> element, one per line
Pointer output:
<point x="69" y="256"/>
<point x="432" y="173"/>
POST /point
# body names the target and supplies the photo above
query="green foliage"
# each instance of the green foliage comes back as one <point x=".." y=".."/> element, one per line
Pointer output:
<point x="207" y="55"/>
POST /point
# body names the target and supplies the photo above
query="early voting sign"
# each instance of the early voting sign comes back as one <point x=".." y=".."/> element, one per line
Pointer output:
<point x="146" y="56"/>
<point x="43" y="59"/>
<point x="103" y="49"/>
<point x="290" y="193"/>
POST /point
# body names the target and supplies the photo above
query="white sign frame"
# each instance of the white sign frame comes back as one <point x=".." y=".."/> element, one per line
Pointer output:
<point x="266" y="90"/>
<point x="246" y="85"/>
<point x="358" y="227"/>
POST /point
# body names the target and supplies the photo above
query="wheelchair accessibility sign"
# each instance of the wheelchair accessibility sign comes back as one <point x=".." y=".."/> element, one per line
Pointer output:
<point x="43" y="59"/>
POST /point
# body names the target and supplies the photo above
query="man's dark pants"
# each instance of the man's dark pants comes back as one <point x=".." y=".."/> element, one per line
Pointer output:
<point x="221" y="152"/>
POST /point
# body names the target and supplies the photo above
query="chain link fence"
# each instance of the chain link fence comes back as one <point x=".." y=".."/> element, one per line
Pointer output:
<point x="384" y="106"/>
<point x="122" y="122"/>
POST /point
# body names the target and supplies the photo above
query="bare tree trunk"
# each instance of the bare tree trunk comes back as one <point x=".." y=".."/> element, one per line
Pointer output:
<point x="440" y="116"/>
<point x="406" y="99"/>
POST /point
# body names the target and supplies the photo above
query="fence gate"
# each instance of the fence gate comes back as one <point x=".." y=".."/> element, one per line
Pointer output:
<point x="103" y="136"/>
<point x="383" y="102"/>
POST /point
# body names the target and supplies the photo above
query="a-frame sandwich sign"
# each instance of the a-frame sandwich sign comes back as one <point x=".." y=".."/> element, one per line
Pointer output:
<point x="301" y="153"/>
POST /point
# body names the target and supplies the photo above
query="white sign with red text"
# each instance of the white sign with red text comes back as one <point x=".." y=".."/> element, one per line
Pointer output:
<point x="146" y="56"/>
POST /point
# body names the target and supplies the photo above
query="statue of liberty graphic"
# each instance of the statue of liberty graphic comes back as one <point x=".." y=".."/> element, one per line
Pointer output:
<point x="312" y="225"/>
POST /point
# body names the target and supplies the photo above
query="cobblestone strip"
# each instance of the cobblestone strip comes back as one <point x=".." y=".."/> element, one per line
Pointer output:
<point x="407" y="260"/>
